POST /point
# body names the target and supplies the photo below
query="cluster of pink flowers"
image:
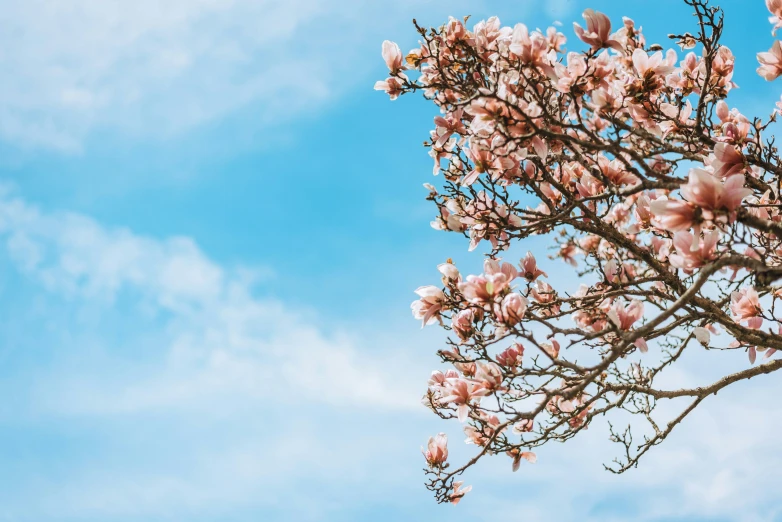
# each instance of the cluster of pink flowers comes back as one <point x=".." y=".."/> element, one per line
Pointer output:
<point x="663" y="199"/>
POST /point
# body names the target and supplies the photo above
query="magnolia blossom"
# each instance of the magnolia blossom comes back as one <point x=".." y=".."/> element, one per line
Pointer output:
<point x="745" y="306"/>
<point x="436" y="452"/>
<point x="516" y="454"/>
<point x="775" y="8"/>
<point x="771" y="62"/>
<point x="688" y="259"/>
<point x="727" y="160"/>
<point x="430" y="305"/>
<point x="462" y="323"/>
<point x="511" y="357"/>
<point x="672" y="215"/>
<point x="706" y="191"/>
<point x="624" y="316"/>
<point x="529" y="268"/>
<point x="512" y="309"/>
<point x="391" y="86"/>
<point x="597" y="32"/>
<point x="461" y="392"/>
<point x="393" y="57"/>
<point x="459" y="491"/>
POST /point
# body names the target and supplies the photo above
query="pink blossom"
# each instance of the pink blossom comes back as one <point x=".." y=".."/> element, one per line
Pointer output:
<point x="489" y="376"/>
<point x="771" y="62"/>
<point x="511" y="357"/>
<point x="727" y="160"/>
<point x="439" y="378"/>
<point x="649" y="66"/>
<point x="688" y="258"/>
<point x="496" y="266"/>
<point x="430" y="305"/>
<point x="462" y="323"/>
<point x="449" y="271"/>
<point x="482" y="289"/>
<point x="480" y="437"/>
<point x="523" y="426"/>
<point x="574" y="71"/>
<point x="552" y="350"/>
<point x="745" y="306"/>
<point x="393" y="57"/>
<point x="775" y="8"/>
<point x="672" y="215"/>
<point x="624" y="316"/>
<point x="392" y="86"/>
<point x="544" y="294"/>
<point x="708" y="192"/>
<point x="516" y="454"/>
<point x="529" y="268"/>
<point x="598" y="29"/>
<point x="448" y="125"/>
<point x="459" y="492"/>
<point x="436" y="452"/>
<point x="530" y="48"/>
<point x="460" y="392"/>
<point x="512" y="309"/>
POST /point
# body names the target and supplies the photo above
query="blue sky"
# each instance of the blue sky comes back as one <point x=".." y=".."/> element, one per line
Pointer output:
<point x="210" y="230"/>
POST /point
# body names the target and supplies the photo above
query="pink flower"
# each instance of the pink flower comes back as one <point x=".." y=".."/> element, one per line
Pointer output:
<point x="530" y="48"/>
<point x="529" y="268"/>
<point x="436" y="452"/>
<point x="692" y="252"/>
<point x="523" y="426"/>
<point x="688" y="258"/>
<point x="449" y="271"/>
<point x="512" y="309"/>
<point x="516" y="454"/>
<point x="430" y="305"/>
<point x="511" y="357"/>
<point x="552" y="350"/>
<point x="462" y="323"/>
<point x="544" y="294"/>
<point x="771" y="62"/>
<point x="745" y="306"/>
<point x="495" y="266"/>
<point x="393" y="57"/>
<point x="458" y="491"/>
<point x="482" y="289"/>
<point x="574" y="71"/>
<point x="480" y="437"/>
<point x="672" y="215"/>
<point x="708" y="192"/>
<point x="598" y="29"/>
<point x="439" y="378"/>
<point x="624" y="316"/>
<point x="448" y="125"/>
<point x="727" y="160"/>
<point x="460" y="392"/>
<point x="775" y="8"/>
<point x="392" y="86"/>
<point x="649" y="66"/>
<point x="489" y="376"/>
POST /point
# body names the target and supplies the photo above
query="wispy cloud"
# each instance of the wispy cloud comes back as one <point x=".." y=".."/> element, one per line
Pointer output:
<point x="195" y="345"/>
<point x="222" y="337"/>
<point x="151" y="67"/>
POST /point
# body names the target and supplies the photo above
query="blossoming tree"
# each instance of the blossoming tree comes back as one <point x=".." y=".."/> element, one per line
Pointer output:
<point x="663" y="198"/>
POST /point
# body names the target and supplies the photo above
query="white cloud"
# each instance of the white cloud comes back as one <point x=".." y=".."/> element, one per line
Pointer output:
<point x="187" y="342"/>
<point x="221" y="338"/>
<point x="155" y="68"/>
